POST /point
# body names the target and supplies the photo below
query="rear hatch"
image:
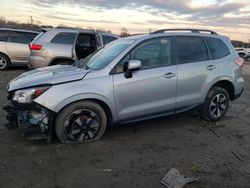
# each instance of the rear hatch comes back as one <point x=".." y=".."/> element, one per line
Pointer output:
<point x="35" y="47"/>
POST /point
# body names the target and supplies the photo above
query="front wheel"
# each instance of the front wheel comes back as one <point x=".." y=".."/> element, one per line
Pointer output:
<point x="80" y="122"/>
<point x="216" y="104"/>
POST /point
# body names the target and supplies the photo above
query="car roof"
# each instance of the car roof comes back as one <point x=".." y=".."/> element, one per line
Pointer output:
<point x="72" y="30"/>
<point x="153" y="35"/>
<point x="20" y="30"/>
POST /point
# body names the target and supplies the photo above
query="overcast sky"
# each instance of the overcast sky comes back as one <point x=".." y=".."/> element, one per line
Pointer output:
<point x="227" y="17"/>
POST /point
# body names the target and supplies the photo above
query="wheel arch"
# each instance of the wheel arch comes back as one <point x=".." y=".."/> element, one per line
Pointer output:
<point x="227" y="85"/>
<point x="6" y="56"/>
<point x="106" y="107"/>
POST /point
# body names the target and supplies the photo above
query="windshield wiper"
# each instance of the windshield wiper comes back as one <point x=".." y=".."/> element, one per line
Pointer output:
<point x="86" y="67"/>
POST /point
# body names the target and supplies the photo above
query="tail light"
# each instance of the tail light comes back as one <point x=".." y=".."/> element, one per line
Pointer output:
<point x="239" y="61"/>
<point x="35" y="46"/>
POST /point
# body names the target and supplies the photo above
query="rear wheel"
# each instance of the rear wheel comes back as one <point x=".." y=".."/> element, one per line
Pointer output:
<point x="4" y="62"/>
<point x="248" y="58"/>
<point x="216" y="104"/>
<point x="242" y="55"/>
<point x="81" y="122"/>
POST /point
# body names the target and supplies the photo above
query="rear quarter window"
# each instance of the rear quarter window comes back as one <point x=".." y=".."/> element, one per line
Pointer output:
<point x="217" y="48"/>
<point x="64" y="38"/>
<point x="4" y="36"/>
<point x="21" y="37"/>
<point x="38" y="36"/>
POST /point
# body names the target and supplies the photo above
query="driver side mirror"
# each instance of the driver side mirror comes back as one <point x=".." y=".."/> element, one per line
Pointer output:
<point x="132" y="65"/>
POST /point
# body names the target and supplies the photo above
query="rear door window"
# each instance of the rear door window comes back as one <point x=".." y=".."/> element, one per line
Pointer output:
<point x="190" y="49"/>
<point x="64" y="38"/>
<point x="21" y="37"/>
<point x="107" y="39"/>
<point x="4" y="36"/>
<point x="217" y="47"/>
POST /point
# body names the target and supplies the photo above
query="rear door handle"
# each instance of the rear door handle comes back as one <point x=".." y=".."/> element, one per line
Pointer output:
<point x="169" y="75"/>
<point x="211" y="67"/>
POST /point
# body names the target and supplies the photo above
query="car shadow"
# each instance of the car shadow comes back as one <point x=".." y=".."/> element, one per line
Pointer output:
<point x="18" y="67"/>
<point x="152" y="124"/>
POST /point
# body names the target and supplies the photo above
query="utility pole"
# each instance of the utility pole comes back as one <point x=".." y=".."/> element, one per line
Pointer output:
<point x="31" y="22"/>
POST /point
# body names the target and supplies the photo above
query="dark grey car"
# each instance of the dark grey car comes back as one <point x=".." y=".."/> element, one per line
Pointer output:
<point x="14" y="47"/>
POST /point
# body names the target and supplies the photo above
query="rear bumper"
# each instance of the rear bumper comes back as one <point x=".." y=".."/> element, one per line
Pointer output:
<point x="34" y="121"/>
<point x="37" y="62"/>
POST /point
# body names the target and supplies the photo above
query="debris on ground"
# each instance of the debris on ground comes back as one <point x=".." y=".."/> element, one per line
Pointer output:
<point x="2" y="168"/>
<point x="39" y="162"/>
<point x="105" y="170"/>
<point x="237" y="155"/>
<point x="212" y="129"/>
<point x="173" y="179"/>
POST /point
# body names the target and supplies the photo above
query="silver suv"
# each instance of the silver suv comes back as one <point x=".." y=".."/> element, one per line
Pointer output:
<point x="14" y="46"/>
<point x="64" y="46"/>
<point x="130" y="79"/>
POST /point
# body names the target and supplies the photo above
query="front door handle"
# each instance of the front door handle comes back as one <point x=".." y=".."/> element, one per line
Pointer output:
<point x="169" y="75"/>
<point x="211" y="67"/>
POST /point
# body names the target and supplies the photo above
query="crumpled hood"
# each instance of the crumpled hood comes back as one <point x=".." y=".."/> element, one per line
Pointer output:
<point x="47" y="76"/>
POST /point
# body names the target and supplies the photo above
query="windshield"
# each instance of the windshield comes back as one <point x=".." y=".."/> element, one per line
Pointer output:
<point x="105" y="55"/>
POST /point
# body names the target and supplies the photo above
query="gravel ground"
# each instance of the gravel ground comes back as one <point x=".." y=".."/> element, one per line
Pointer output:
<point x="138" y="154"/>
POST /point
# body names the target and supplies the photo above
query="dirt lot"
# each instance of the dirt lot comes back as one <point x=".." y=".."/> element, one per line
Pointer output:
<point x="139" y="154"/>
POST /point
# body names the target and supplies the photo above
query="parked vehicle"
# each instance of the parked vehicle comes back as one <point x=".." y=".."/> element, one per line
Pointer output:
<point x="64" y="46"/>
<point x="247" y="56"/>
<point x="130" y="79"/>
<point x="242" y="52"/>
<point x="14" y="46"/>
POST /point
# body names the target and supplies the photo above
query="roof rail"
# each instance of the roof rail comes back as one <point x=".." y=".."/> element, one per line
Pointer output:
<point x="192" y="30"/>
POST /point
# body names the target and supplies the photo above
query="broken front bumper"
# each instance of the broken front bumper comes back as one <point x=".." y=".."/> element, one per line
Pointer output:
<point x="34" y="120"/>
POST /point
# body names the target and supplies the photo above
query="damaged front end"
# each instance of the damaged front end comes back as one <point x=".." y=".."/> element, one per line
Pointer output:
<point x="34" y="120"/>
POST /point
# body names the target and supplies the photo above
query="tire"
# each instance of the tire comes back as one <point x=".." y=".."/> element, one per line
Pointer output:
<point x="216" y="104"/>
<point x="4" y="62"/>
<point x="248" y="58"/>
<point x="80" y="122"/>
<point x="242" y="55"/>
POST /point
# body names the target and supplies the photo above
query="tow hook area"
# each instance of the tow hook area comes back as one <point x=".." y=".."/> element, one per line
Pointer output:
<point x="34" y="120"/>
